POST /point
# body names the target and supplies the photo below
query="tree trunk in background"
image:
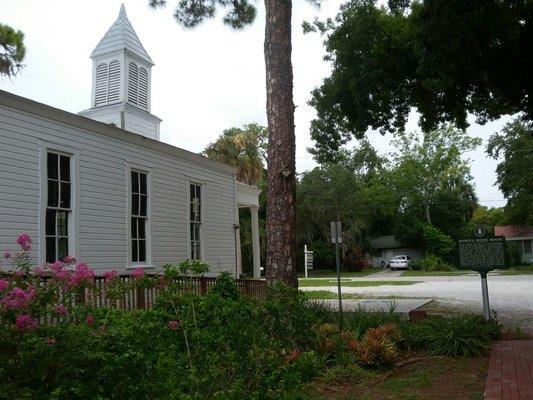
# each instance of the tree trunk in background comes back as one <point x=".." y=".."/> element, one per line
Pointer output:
<point x="428" y="215"/>
<point x="281" y="192"/>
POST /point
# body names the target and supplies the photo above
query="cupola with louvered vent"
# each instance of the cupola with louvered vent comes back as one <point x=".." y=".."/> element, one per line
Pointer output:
<point x="121" y="81"/>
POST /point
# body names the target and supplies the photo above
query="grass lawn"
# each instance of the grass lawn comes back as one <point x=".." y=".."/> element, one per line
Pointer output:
<point x="441" y="378"/>
<point x="410" y="272"/>
<point x="328" y="273"/>
<point x="522" y="270"/>
<point x="348" y="283"/>
<point x="326" y="294"/>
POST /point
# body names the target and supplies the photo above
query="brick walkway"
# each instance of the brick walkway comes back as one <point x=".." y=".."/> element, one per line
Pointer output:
<point x="510" y="375"/>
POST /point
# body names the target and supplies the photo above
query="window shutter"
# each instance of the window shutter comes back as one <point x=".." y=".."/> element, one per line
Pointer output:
<point x="113" y="90"/>
<point x="143" y="88"/>
<point x="100" y="93"/>
<point x="133" y="83"/>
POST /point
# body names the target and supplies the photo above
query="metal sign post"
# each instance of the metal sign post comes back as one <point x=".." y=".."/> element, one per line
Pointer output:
<point x="485" y="295"/>
<point x="336" y="238"/>
<point x="305" y="260"/>
<point x="482" y="255"/>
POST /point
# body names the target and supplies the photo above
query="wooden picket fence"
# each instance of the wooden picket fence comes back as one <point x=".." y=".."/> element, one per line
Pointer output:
<point x="141" y="298"/>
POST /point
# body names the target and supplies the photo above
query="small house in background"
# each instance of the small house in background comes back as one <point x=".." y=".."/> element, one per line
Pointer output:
<point x="383" y="248"/>
<point x="520" y="234"/>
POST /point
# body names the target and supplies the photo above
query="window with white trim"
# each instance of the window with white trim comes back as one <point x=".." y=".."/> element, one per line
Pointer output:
<point x="139" y="216"/>
<point x="195" y="221"/>
<point x="58" y="206"/>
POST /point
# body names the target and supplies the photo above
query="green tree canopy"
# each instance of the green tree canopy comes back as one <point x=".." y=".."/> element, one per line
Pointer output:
<point x="432" y="179"/>
<point x="444" y="58"/>
<point x="12" y="50"/>
<point x="486" y="217"/>
<point x="514" y="146"/>
<point x="243" y="148"/>
<point x="354" y="189"/>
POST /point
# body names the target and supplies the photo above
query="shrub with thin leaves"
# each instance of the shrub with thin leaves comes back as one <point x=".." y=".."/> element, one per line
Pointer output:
<point x="460" y="336"/>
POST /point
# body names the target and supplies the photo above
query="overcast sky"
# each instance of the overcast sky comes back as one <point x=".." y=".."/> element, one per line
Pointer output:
<point x="204" y="80"/>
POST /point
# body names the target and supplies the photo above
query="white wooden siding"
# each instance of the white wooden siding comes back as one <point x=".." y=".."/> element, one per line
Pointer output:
<point x="102" y="215"/>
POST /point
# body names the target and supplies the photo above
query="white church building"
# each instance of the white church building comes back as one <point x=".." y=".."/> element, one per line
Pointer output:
<point x="101" y="187"/>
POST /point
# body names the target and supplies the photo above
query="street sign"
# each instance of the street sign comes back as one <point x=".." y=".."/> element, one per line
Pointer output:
<point x="308" y="260"/>
<point x="336" y="232"/>
<point x="482" y="253"/>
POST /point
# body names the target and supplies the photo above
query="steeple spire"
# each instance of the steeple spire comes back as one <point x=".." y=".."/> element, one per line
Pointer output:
<point x="121" y="36"/>
<point x="122" y="13"/>
<point x="122" y="75"/>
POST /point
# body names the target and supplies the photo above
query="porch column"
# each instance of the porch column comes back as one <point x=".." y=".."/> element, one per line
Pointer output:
<point x="256" y="250"/>
<point x="238" y="254"/>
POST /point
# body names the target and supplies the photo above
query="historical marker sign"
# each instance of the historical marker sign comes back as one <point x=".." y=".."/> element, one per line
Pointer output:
<point x="482" y="253"/>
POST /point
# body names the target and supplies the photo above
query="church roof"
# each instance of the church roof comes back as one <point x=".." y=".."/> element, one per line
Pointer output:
<point x="121" y="36"/>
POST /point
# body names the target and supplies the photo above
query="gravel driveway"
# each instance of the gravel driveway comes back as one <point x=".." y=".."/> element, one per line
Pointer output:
<point x="511" y="296"/>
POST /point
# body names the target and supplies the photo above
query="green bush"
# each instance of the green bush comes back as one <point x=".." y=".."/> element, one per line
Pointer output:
<point x="432" y="263"/>
<point x="437" y="242"/>
<point x="220" y="346"/>
<point x="514" y="254"/>
<point x="460" y="336"/>
<point x="355" y="260"/>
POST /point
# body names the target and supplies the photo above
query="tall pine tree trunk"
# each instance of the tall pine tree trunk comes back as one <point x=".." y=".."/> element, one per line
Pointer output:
<point x="281" y="192"/>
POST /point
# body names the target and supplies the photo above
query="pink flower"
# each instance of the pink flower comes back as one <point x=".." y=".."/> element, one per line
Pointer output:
<point x="18" y="298"/>
<point x="7" y="254"/>
<point x="24" y="241"/>
<point x="174" y="325"/>
<point x="51" y="341"/>
<point x="40" y="270"/>
<point x="110" y="275"/>
<point x="25" y="322"/>
<point x="69" y="260"/>
<point x="82" y="275"/>
<point x="3" y="284"/>
<point x="57" y="266"/>
<point x="60" y="309"/>
<point x="137" y="273"/>
<point x="89" y="320"/>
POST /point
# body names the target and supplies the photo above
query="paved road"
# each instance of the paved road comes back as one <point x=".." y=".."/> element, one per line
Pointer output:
<point x="511" y="296"/>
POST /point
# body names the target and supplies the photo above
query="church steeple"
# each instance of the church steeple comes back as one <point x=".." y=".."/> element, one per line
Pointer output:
<point x="122" y="80"/>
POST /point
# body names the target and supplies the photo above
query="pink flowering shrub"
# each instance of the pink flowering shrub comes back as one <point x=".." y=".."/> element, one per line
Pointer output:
<point x="137" y="273"/>
<point x="25" y="298"/>
<point x="25" y="322"/>
<point x="24" y="241"/>
<point x="174" y="325"/>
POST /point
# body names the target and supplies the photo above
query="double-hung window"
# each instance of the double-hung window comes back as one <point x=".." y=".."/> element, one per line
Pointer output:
<point x="196" y="221"/>
<point x="58" y="206"/>
<point x="139" y="216"/>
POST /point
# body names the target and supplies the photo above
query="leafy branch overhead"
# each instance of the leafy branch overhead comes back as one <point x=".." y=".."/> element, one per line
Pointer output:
<point x="191" y="13"/>
<point x="12" y="50"/>
<point x="446" y="59"/>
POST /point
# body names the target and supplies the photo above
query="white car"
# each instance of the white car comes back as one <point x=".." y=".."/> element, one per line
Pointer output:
<point x="400" y="262"/>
